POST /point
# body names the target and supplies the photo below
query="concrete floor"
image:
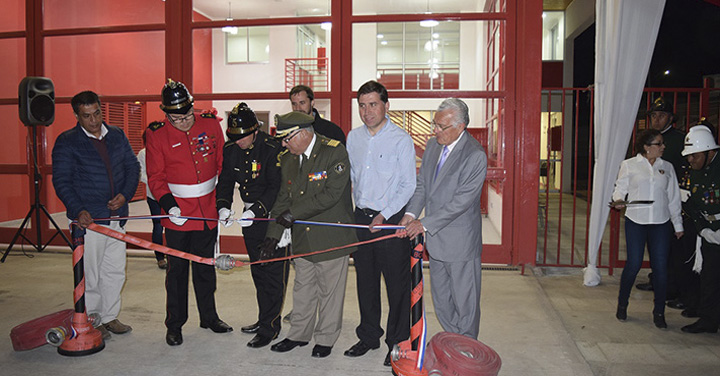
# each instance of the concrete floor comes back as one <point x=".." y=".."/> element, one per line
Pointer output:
<point x="542" y="323"/>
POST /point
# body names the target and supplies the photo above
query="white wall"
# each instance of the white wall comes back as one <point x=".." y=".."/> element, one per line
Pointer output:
<point x="257" y="77"/>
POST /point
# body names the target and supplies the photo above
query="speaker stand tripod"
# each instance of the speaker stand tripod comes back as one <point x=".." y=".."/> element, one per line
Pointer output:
<point x="36" y="208"/>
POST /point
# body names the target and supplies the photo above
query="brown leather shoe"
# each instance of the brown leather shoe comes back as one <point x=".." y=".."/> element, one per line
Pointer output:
<point x="117" y="327"/>
<point x="105" y="334"/>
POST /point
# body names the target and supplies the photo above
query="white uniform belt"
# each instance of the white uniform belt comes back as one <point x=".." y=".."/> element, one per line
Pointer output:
<point x="711" y="217"/>
<point x="193" y="190"/>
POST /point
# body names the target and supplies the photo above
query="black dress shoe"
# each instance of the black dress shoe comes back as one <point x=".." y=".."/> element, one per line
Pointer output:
<point x="260" y="341"/>
<point x="251" y="329"/>
<point x="287" y="345"/>
<point x="217" y="326"/>
<point x="675" y="304"/>
<point x="387" y="362"/>
<point x="644" y="286"/>
<point x="359" y="349"/>
<point x="621" y="313"/>
<point x="320" y="351"/>
<point x="699" y="327"/>
<point x="689" y="313"/>
<point x="173" y="338"/>
<point x="659" y="320"/>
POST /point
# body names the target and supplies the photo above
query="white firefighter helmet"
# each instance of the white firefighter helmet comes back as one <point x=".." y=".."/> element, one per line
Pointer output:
<point x="699" y="139"/>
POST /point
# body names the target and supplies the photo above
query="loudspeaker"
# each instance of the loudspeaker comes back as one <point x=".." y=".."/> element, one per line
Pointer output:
<point x="37" y="101"/>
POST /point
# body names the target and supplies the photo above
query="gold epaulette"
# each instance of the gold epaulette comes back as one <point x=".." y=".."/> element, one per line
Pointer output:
<point x="279" y="157"/>
<point x="208" y="115"/>
<point x="332" y="143"/>
<point x="155" y="125"/>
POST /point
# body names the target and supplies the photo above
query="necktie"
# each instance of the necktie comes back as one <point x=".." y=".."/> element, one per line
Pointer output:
<point x="443" y="157"/>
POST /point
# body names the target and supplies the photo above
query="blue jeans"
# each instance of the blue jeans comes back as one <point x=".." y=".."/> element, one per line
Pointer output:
<point x="657" y="238"/>
<point x="157" y="231"/>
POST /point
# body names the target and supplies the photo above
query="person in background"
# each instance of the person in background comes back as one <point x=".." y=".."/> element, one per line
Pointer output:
<point x="703" y="205"/>
<point x="647" y="177"/>
<point x="302" y="99"/>
<point x="250" y="159"/>
<point x="95" y="173"/>
<point x="382" y="166"/>
<point x="153" y="205"/>
<point x="184" y="159"/>
<point x="449" y="186"/>
<point x="682" y="283"/>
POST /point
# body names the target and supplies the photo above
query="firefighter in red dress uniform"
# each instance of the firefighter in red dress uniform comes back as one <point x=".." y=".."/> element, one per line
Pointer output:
<point x="184" y="159"/>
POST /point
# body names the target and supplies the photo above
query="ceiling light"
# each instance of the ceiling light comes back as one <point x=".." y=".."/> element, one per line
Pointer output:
<point x="429" y="23"/>
<point x="384" y="43"/>
<point x="380" y="36"/>
<point x="436" y="35"/>
<point x="229" y="29"/>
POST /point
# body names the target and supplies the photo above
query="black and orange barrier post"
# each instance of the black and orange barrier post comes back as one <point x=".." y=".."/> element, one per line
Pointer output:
<point x="407" y="357"/>
<point x="81" y="338"/>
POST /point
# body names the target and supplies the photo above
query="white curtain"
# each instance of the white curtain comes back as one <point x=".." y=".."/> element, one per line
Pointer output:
<point x="625" y="38"/>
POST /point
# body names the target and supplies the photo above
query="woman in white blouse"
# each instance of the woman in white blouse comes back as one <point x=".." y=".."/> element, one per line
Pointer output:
<point x="647" y="177"/>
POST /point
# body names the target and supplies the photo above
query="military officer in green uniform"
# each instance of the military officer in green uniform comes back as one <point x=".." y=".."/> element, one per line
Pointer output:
<point x="250" y="159"/>
<point x="315" y="186"/>
<point x="703" y="205"/>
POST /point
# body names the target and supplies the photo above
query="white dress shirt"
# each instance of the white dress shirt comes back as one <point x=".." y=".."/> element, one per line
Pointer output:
<point x="639" y="180"/>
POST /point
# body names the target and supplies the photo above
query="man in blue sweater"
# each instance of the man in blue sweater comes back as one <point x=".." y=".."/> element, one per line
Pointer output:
<point x="95" y="173"/>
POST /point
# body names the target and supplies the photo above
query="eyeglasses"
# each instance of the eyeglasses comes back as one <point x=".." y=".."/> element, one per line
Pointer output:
<point x="290" y="137"/>
<point x="439" y="126"/>
<point x="656" y="143"/>
<point x="182" y="118"/>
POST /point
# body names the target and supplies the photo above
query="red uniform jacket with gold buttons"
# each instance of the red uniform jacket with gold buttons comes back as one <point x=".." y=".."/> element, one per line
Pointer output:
<point x="186" y="160"/>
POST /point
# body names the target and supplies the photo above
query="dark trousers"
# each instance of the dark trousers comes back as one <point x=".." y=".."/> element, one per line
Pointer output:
<point x="157" y="231"/>
<point x="657" y="238"/>
<point x="682" y="281"/>
<point x="709" y="308"/>
<point x="391" y="258"/>
<point x="270" y="283"/>
<point x="200" y="243"/>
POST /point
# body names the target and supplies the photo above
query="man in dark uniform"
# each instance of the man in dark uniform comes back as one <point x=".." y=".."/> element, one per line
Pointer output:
<point x="250" y="159"/>
<point x="184" y="159"/>
<point x="315" y="186"/>
<point x="703" y="205"/>
<point x="302" y="99"/>
<point x="682" y="282"/>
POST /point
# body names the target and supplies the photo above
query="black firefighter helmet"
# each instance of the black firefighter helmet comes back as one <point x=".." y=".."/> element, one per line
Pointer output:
<point x="176" y="98"/>
<point x="661" y="105"/>
<point x="241" y="122"/>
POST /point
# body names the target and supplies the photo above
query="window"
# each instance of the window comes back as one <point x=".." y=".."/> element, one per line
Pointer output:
<point x="247" y="44"/>
<point x="413" y="57"/>
<point x="553" y="41"/>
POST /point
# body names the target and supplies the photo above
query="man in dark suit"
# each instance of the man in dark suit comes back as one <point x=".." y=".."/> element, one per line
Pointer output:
<point x="449" y="186"/>
<point x="315" y="178"/>
<point x="302" y="99"/>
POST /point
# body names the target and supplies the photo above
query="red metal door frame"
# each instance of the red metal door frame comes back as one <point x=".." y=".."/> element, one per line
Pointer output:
<point x="521" y="85"/>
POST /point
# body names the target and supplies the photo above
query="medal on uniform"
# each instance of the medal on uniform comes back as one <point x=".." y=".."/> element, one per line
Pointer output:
<point x="255" y="169"/>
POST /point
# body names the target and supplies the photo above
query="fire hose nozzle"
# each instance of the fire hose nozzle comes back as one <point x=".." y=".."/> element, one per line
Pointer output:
<point x="224" y="262"/>
<point x="56" y="336"/>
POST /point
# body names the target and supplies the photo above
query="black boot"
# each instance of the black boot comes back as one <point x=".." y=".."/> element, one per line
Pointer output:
<point x="621" y="313"/>
<point x="659" y="320"/>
